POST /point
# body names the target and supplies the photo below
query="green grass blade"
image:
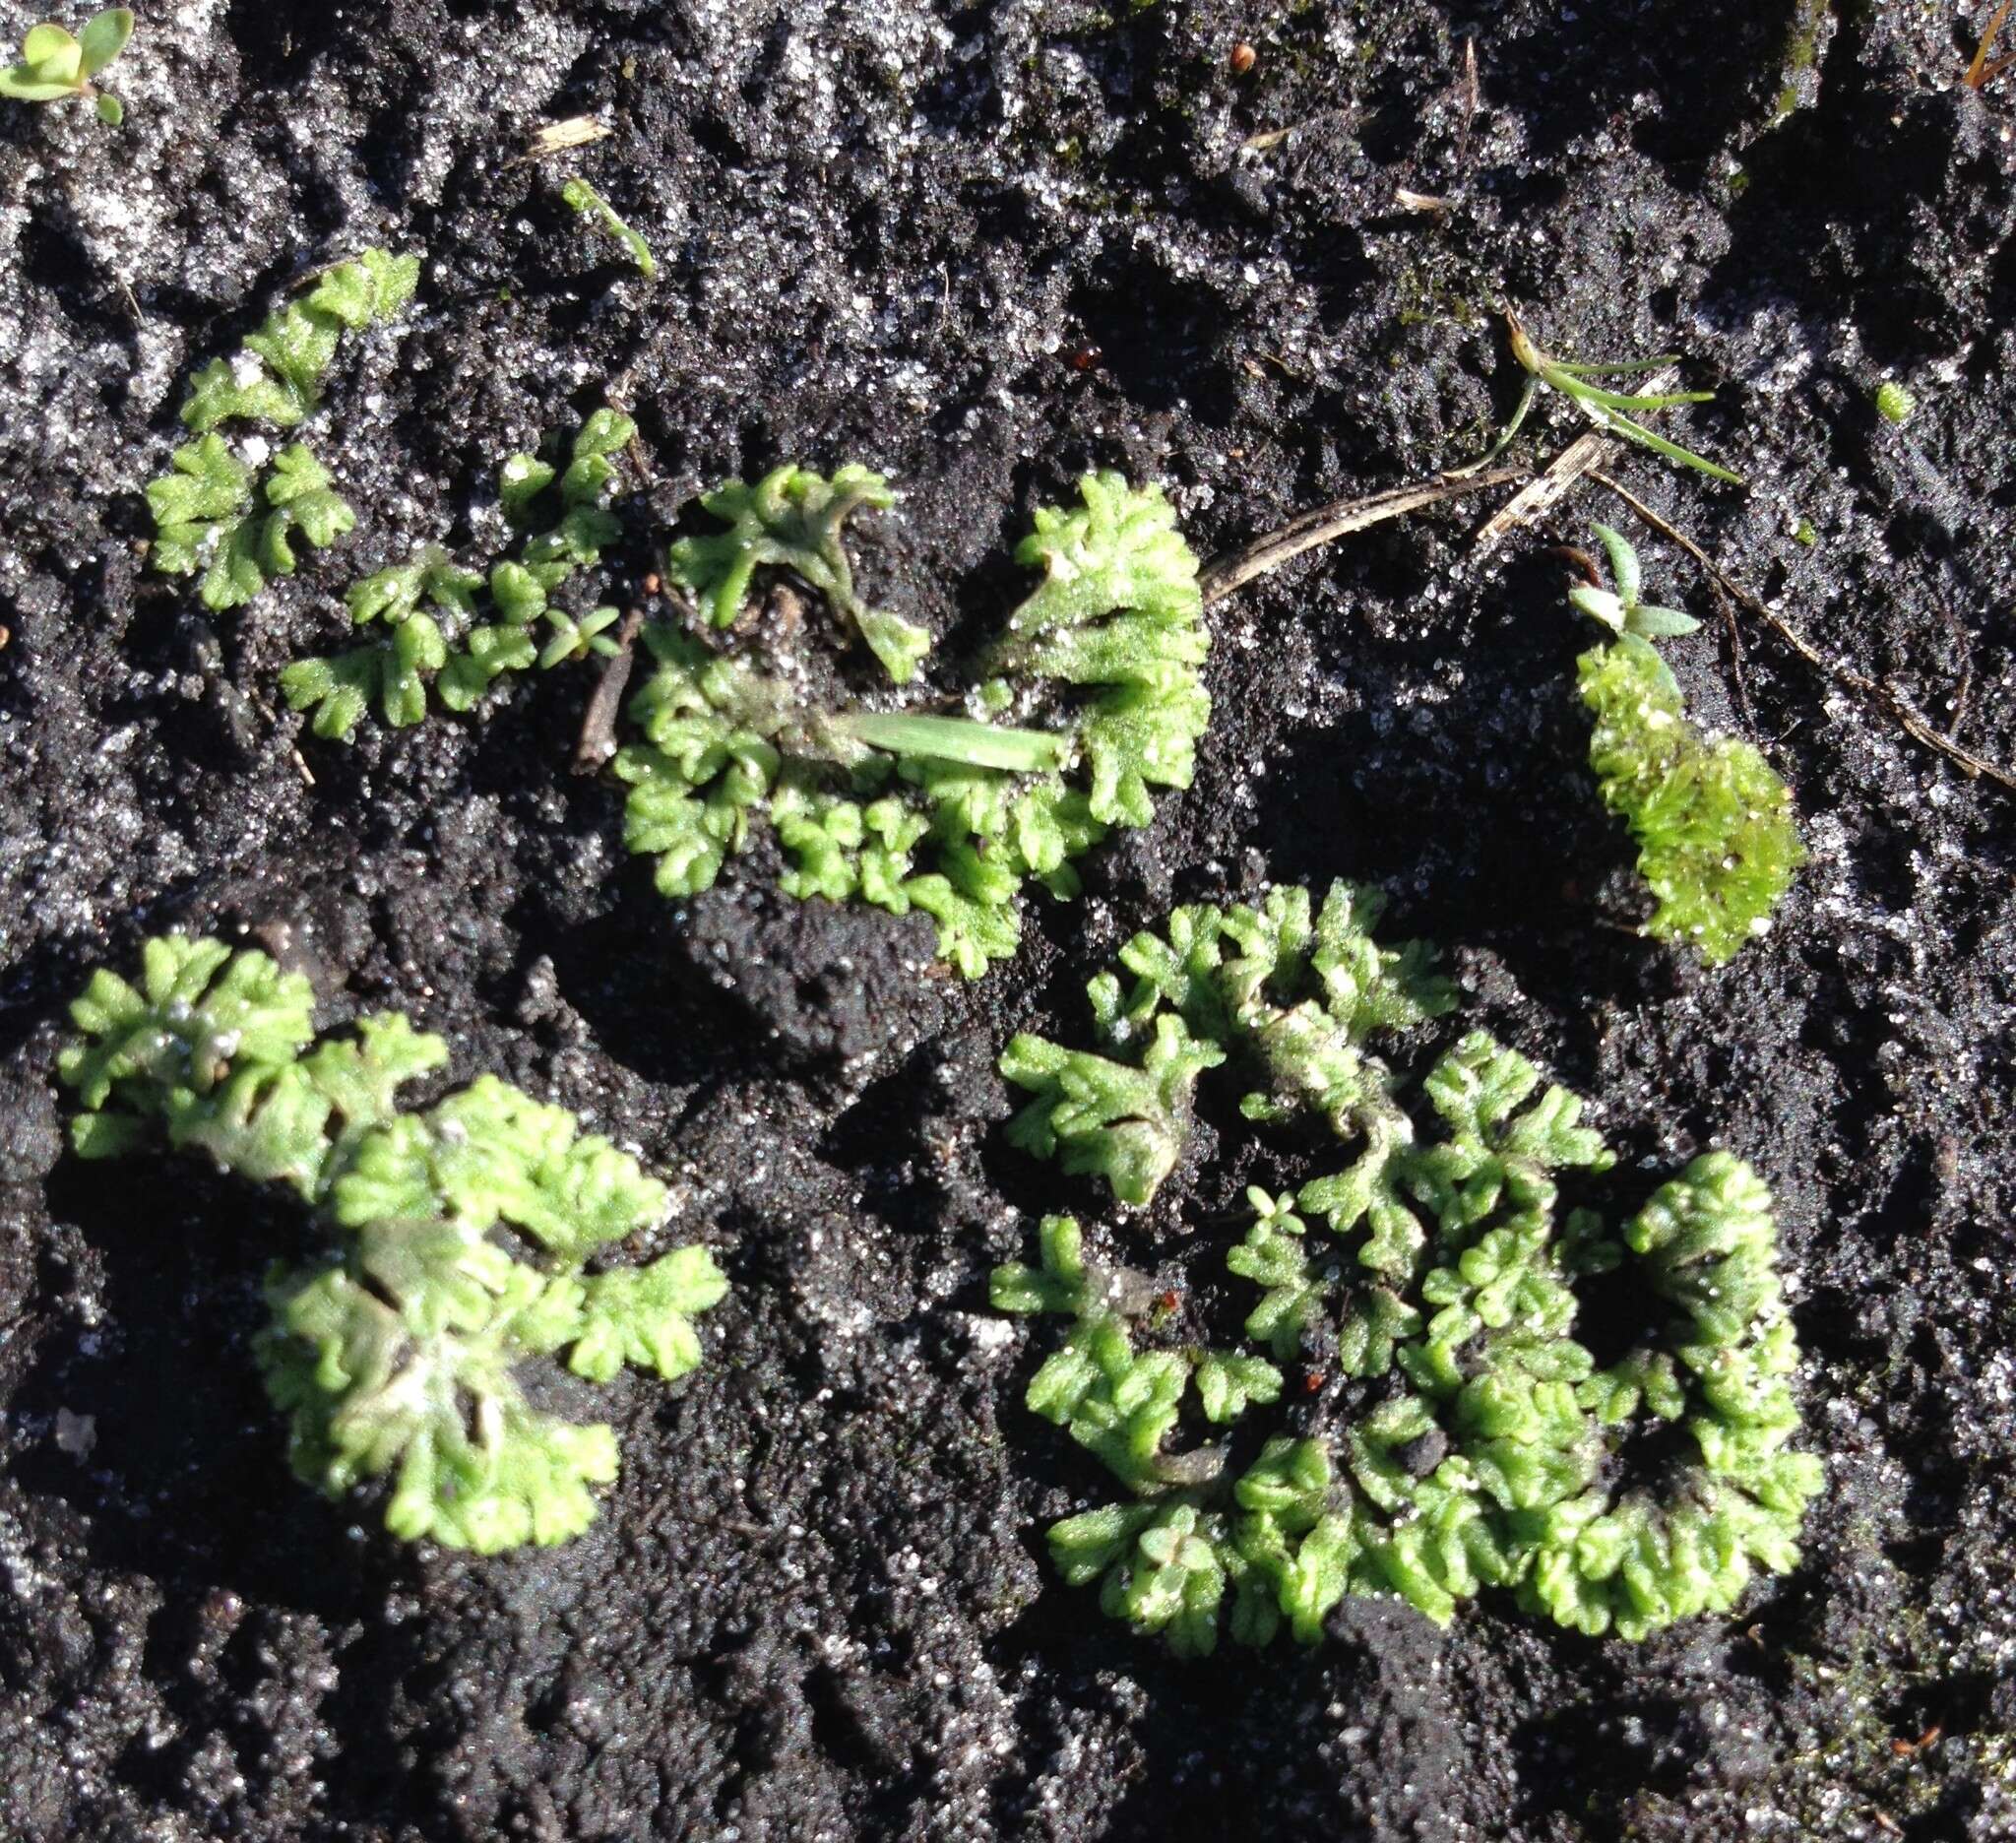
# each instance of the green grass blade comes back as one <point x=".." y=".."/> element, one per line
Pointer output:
<point x="957" y="739"/>
<point x="1672" y="451"/>
<point x="1617" y="370"/>
<point x="1613" y="400"/>
<point x="1505" y="434"/>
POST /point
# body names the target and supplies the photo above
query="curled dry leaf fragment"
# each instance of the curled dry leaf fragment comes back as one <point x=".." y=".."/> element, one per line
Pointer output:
<point x="557" y="137"/>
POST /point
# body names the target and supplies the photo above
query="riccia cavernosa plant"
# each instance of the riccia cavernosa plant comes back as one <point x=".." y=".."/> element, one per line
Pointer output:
<point x="397" y="1355"/>
<point x="216" y="515"/>
<point x="1088" y="700"/>
<point x="462" y="632"/>
<point x="1510" y="1391"/>
<point x="876" y="786"/>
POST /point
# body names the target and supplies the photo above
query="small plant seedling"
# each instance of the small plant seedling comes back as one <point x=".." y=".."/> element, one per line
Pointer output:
<point x="395" y="1351"/>
<point x="1716" y="843"/>
<point x="54" y="64"/>
<point x="1610" y="411"/>
<point x="589" y="203"/>
<point x="1620" y="610"/>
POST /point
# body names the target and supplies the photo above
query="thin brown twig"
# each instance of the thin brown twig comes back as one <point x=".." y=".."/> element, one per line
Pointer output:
<point x="272" y="717"/>
<point x="1728" y="610"/>
<point x="1236" y="568"/>
<point x="597" y="741"/>
<point x="1906" y="715"/>
<point x="1960" y="697"/>
<point x="1981" y="72"/>
<point x="639" y="459"/>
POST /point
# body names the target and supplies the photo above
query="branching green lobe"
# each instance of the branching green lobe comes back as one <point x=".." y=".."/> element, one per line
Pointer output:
<point x="429" y="612"/>
<point x="205" y="510"/>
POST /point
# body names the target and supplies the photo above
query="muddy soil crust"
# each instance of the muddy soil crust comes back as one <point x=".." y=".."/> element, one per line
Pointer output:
<point x="983" y="247"/>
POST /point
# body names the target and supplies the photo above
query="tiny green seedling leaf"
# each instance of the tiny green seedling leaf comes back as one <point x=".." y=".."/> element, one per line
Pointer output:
<point x="586" y="202"/>
<point x="54" y="65"/>
<point x="25" y="84"/>
<point x="1894" y="401"/>
<point x="1622" y="612"/>
<point x="54" y="55"/>
<point x="103" y="37"/>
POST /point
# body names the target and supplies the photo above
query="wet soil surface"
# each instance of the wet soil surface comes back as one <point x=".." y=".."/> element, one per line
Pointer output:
<point x="982" y="247"/>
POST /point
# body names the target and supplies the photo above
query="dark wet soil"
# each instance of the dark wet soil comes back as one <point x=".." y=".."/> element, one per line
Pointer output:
<point x="982" y="247"/>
